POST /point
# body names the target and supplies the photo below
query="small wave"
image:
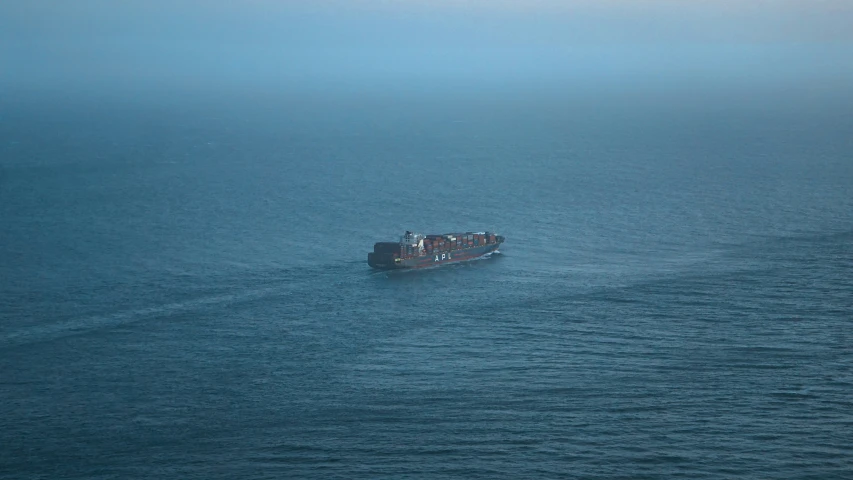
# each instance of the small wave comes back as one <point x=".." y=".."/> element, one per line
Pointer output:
<point x="77" y="326"/>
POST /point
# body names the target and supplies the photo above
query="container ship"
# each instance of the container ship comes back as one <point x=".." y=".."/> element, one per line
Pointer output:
<point x="415" y="250"/>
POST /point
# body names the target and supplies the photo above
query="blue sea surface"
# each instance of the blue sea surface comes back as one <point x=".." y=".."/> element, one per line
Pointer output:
<point x="184" y="290"/>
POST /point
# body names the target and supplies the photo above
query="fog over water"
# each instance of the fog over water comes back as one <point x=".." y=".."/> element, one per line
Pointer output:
<point x="100" y="45"/>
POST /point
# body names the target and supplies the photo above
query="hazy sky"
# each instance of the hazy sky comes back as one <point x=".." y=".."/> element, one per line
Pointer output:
<point x="272" y="42"/>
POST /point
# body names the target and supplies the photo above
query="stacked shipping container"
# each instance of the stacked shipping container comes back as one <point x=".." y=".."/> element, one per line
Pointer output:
<point x="438" y="244"/>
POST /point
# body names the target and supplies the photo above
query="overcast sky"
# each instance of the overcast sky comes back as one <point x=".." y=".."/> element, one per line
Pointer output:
<point x="274" y="42"/>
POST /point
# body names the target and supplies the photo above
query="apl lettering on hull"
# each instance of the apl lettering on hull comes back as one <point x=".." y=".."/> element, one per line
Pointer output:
<point x="415" y="250"/>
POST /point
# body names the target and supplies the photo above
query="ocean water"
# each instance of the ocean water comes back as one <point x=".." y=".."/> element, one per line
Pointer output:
<point x="184" y="290"/>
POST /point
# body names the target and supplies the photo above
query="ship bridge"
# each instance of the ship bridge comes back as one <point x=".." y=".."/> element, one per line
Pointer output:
<point x="414" y="240"/>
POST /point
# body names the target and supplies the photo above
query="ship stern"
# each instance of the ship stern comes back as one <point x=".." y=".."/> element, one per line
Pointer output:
<point x="383" y="261"/>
